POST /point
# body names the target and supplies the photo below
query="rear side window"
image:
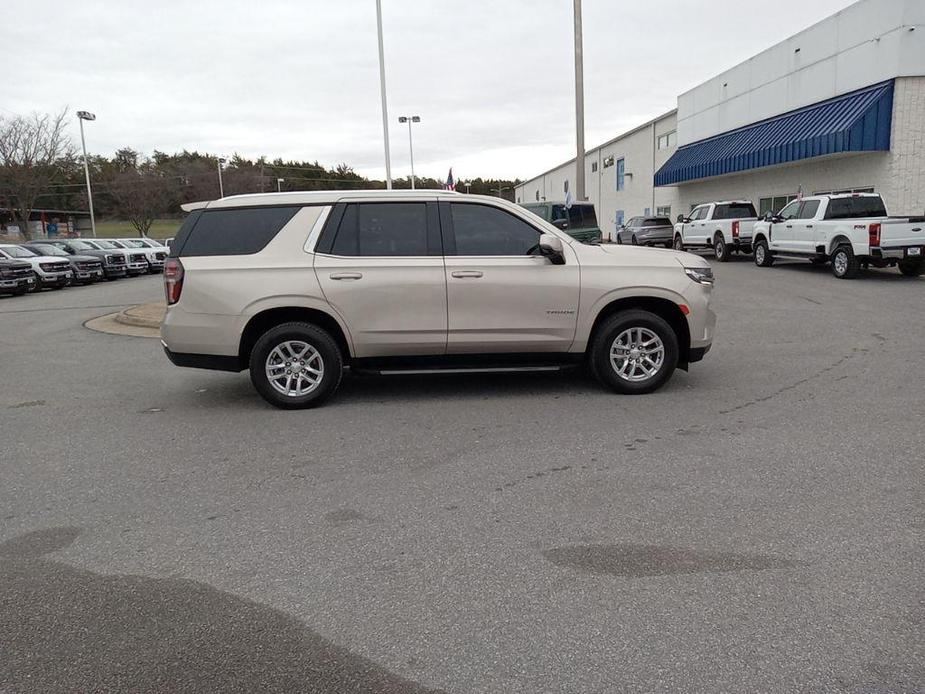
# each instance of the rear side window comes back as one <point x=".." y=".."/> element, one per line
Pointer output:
<point x="809" y="209"/>
<point x="236" y="231"/>
<point x="382" y="229"/>
<point x="589" y="218"/>
<point x="855" y="207"/>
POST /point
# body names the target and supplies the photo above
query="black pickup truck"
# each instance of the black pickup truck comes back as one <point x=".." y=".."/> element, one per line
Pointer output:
<point x="16" y="277"/>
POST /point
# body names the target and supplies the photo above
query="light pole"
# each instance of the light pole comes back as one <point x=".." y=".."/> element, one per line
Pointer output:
<point x="81" y="117"/>
<point x="279" y="184"/>
<point x="467" y="184"/>
<point x="221" y="188"/>
<point x="579" y="108"/>
<point x="409" y="120"/>
<point x="501" y="188"/>
<point x="385" y="106"/>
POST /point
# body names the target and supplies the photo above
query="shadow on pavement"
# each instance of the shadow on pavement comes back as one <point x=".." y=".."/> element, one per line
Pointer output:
<point x="65" y="629"/>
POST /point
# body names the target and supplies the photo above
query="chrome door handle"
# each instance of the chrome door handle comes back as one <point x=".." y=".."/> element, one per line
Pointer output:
<point x="466" y="273"/>
<point x="346" y="275"/>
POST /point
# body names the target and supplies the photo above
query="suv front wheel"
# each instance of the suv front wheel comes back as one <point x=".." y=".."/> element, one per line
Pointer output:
<point x="296" y="365"/>
<point x="634" y="352"/>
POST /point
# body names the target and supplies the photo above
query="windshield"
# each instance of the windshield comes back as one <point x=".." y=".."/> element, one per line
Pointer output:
<point x="108" y="245"/>
<point x="48" y="249"/>
<point x="132" y="243"/>
<point x="17" y="252"/>
<point x="81" y="246"/>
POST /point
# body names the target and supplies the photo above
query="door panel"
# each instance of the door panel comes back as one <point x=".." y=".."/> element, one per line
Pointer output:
<point x="499" y="298"/>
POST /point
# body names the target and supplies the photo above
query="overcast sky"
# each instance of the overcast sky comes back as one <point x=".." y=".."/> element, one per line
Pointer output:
<point x="491" y="79"/>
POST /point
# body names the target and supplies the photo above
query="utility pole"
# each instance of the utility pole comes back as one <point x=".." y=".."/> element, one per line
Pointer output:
<point x="385" y="106"/>
<point x="221" y="187"/>
<point x="579" y="109"/>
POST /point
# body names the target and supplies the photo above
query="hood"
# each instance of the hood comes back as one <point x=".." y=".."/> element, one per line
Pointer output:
<point x="644" y="256"/>
<point x="82" y="258"/>
<point x="47" y="259"/>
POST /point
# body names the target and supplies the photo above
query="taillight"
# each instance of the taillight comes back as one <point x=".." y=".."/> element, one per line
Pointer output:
<point x="735" y="228"/>
<point x="873" y="234"/>
<point x="173" y="280"/>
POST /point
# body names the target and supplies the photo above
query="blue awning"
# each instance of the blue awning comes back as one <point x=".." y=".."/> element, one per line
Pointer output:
<point x="855" y="122"/>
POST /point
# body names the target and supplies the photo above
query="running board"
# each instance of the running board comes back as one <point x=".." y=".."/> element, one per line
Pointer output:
<point x="462" y="370"/>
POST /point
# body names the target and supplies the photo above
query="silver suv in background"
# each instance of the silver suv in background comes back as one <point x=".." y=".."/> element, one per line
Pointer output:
<point x="294" y="286"/>
<point x="647" y="231"/>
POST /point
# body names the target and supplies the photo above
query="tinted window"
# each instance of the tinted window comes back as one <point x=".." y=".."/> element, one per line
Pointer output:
<point x="849" y="208"/>
<point x="574" y="217"/>
<point x="559" y="212"/>
<point x="656" y="222"/>
<point x="589" y="218"/>
<point x="383" y="229"/>
<point x="734" y="211"/>
<point x="483" y="230"/>
<point x="234" y="231"/>
<point x="808" y="211"/>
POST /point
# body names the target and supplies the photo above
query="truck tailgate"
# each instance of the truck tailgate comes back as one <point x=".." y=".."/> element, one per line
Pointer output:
<point x="902" y="232"/>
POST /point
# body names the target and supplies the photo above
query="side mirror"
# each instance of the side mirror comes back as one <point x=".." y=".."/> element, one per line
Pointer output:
<point x="551" y="247"/>
<point x="681" y="219"/>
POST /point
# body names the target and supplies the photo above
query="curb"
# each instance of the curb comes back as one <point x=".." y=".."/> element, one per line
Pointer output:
<point x="143" y="316"/>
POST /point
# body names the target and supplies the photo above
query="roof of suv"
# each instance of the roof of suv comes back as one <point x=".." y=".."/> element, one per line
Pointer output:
<point x="319" y="197"/>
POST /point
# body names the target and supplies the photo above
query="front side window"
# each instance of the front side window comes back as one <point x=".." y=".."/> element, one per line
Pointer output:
<point x="559" y="212"/>
<point x="484" y="230"/>
<point x="791" y="210"/>
<point x="383" y="229"/>
<point x="698" y="213"/>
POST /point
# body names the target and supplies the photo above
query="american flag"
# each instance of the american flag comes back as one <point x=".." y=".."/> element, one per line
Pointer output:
<point x="450" y="182"/>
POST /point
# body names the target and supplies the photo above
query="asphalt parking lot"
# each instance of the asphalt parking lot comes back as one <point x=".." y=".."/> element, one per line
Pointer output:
<point x="754" y="526"/>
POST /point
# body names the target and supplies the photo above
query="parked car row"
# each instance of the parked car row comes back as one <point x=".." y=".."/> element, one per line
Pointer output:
<point x="848" y="231"/>
<point x="57" y="263"/>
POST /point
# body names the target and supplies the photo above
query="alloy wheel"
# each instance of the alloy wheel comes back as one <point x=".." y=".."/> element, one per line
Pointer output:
<point x="637" y="354"/>
<point x="294" y="368"/>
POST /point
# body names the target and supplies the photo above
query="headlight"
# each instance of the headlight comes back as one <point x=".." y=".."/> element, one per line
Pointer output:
<point x="701" y="275"/>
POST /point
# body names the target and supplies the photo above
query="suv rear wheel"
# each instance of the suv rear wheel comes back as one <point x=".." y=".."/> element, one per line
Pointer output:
<point x="634" y="352"/>
<point x="296" y="365"/>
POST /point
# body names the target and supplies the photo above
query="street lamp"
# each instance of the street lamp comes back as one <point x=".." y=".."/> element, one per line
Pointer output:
<point x="501" y="188"/>
<point x="385" y="106"/>
<point x="221" y="188"/>
<point x="81" y="117"/>
<point x="467" y="184"/>
<point x="409" y="120"/>
<point x="279" y="183"/>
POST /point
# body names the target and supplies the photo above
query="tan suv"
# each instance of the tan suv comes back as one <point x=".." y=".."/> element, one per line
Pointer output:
<point x="296" y="286"/>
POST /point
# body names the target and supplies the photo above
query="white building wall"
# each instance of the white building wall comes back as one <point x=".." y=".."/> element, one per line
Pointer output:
<point x="898" y="175"/>
<point x="868" y="42"/>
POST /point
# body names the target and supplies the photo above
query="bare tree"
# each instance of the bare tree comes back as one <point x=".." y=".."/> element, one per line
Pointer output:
<point x="34" y="150"/>
<point x="141" y="195"/>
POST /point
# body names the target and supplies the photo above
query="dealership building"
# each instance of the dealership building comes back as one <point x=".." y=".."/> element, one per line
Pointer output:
<point x="837" y="107"/>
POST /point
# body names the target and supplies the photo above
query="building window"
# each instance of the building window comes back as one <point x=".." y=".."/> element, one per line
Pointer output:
<point x="621" y="171"/>
<point x="844" y="191"/>
<point x="618" y="217"/>
<point x="668" y="140"/>
<point x="565" y="186"/>
<point x="593" y="167"/>
<point x="537" y="196"/>
<point x="608" y="161"/>
<point x="663" y="211"/>
<point x="774" y="204"/>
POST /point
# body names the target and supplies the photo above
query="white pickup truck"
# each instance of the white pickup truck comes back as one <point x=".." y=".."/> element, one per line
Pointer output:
<point x="851" y="231"/>
<point x="726" y="227"/>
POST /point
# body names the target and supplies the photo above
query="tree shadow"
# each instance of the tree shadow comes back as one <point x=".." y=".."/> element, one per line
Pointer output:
<point x="66" y="629"/>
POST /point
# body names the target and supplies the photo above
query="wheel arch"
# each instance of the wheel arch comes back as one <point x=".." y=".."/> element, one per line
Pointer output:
<point x="837" y="241"/>
<point x="659" y="305"/>
<point x="267" y="318"/>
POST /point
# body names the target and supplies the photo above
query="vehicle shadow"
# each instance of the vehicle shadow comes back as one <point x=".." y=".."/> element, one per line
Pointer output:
<point x="67" y="629"/>
<point x="877" y="274"/>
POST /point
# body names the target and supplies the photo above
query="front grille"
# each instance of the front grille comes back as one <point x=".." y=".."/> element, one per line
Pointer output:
<point x="16" y="273"/>
<point x="88" y="266"/>
<point x="54" y="267"/>
<point x="138" y="258"/>
<point x="115" y="260"/>
<point x="160" y="256"/>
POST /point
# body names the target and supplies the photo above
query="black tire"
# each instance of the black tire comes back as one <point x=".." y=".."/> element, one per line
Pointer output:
<point x="721" y="250"/>
<point x="678" y="243"/>
<point x="763" y="257"/>
<point x="612" y="328"/>
<point x="845" y="266"/>
<point x="911" y="268"/>
<point x="328" y="352"/>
